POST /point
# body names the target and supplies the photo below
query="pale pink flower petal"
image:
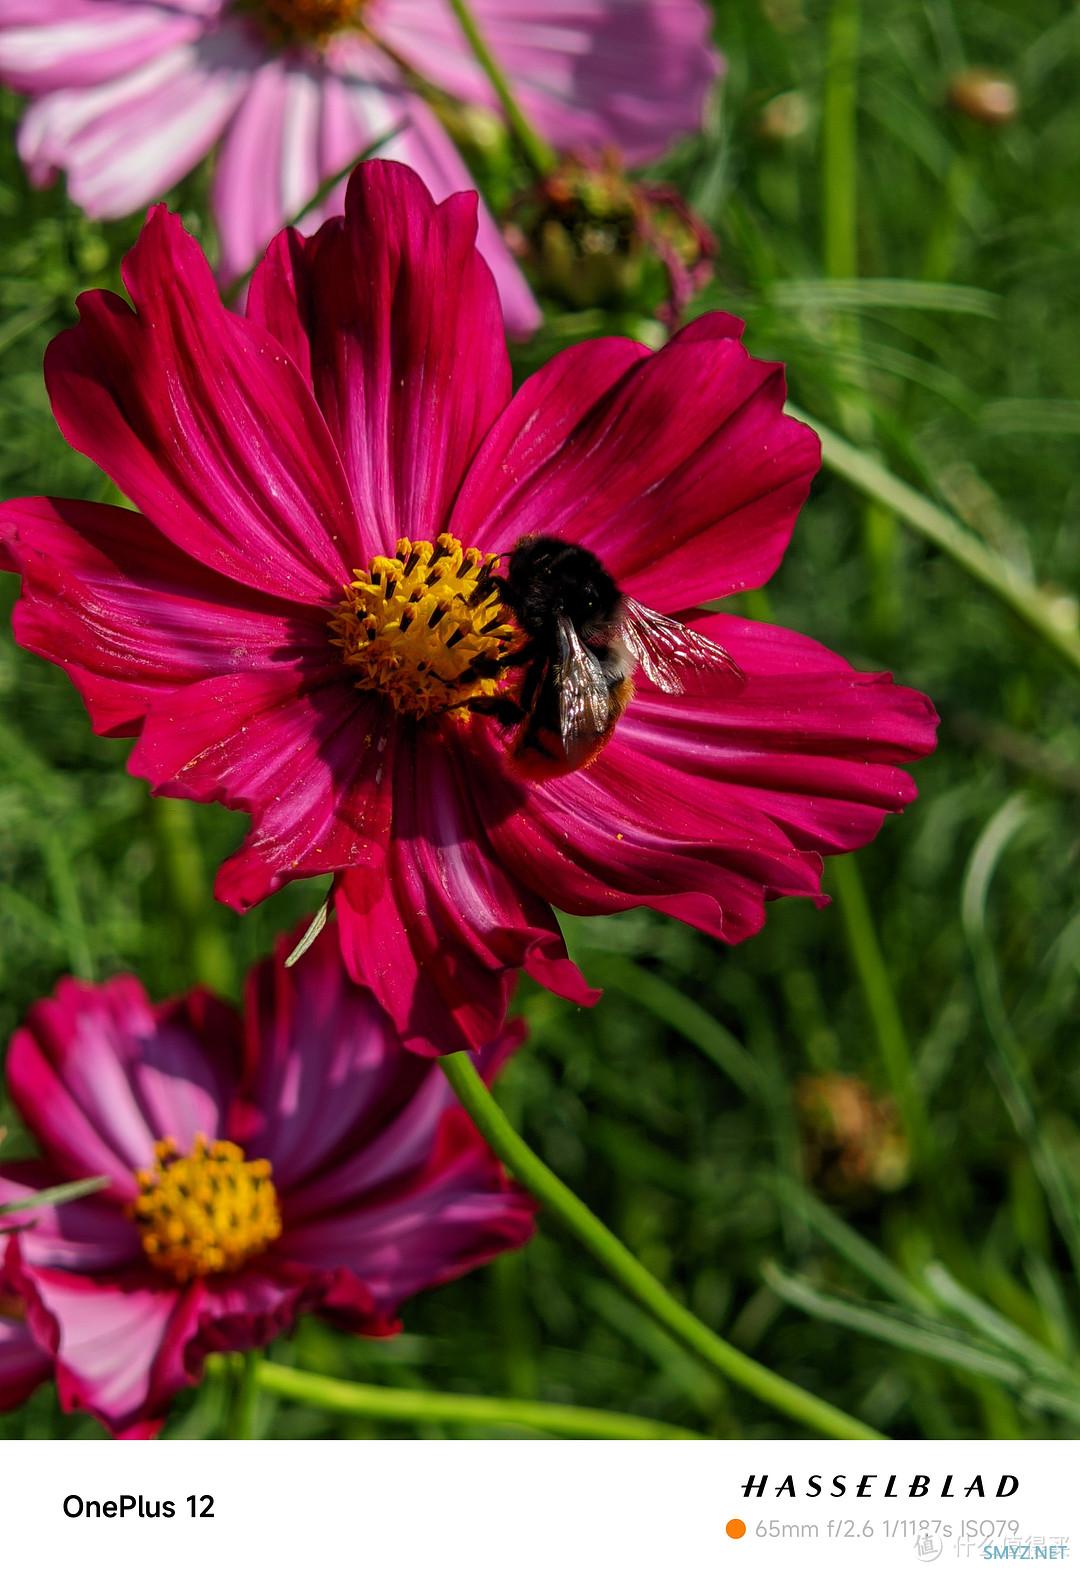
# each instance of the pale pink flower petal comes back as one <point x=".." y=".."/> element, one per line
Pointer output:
<point x="631" y="73"/>
<point x="127" y="139"/>
<point x="127" y="98"/>
<point x="78" y="43"/>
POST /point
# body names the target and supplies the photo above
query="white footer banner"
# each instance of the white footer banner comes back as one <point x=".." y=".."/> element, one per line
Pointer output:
<point x="560" y="1506"/>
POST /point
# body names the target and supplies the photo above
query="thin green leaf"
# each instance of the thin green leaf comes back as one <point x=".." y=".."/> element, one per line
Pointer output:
<point x="55" y="1195"/>
<point x="867" y="294"/>
<point x="856" y="1250"/>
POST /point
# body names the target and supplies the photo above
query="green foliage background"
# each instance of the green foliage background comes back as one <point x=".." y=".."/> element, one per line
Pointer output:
<point x="918" y="273"/>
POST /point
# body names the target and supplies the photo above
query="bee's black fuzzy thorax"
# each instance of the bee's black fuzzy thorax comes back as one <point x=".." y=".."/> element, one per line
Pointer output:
<point x="547" y="578"/>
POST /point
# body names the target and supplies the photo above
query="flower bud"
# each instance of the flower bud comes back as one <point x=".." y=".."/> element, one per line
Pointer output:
<point x="852" y="1142"/>
<point x="591" y="237"/>
<point x="985" y="96"/>
<point x="784" y="118"/>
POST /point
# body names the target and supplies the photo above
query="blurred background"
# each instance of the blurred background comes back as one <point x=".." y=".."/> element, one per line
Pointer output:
<point x="851" y="1145"/>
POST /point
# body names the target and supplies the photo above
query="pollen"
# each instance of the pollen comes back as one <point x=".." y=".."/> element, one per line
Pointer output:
<point x="304" y="21"/>
<point x="426" y="627"/>
<point x="205" y="1213"/>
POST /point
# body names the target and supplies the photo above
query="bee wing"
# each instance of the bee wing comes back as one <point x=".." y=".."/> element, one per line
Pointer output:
<point x="584" y="709"/>
<point x="673" y="657"/>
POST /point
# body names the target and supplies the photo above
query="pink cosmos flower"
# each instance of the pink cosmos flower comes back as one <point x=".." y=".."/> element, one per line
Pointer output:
<point x="23" y="1365"/>
<point x="296" y="1160"/>
<point x="291" y="625"/>
<point x="128" y="95"/>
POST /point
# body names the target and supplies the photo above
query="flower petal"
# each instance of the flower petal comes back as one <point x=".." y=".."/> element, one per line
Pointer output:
<point x="98" y="1074"/>
<point x="407" y="386"/>
<point x="76" y="43"/>
<point x="326" y="1070"/>
<point x="628" y="832"/>
<point x="293" y="130"/>
<point x="129" y="616"/>
<point x="201" y="420"/>
<point x="358" y="109"/>
<point x="251" y="1308"/>
<point x="119" y="1343"/>
<point x="439" y="931"/>
<point x="808" y="741"/>
<point x="426" y="147"/>
<point x="310" y="762"/>
<point x="589" y="73"/>
<point x="89" y="1235"/>
<point x="125" y="1343"/>
<point x="23" y="1365"/>
<point x="128" y="138"/>
<point x="526" y="442"/>
<point x="683" y="475"/>
<point x="457" y="1214"/>
<point x="395" y="1139"/>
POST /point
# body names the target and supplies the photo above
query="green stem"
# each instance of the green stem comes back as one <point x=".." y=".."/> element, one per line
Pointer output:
<point x="532" y="144"/>
<point x="1008" y="1063"/>
<point x="185" y="878"/>
<point x="880" y="999"/>
<point x="839" y="162"/>
<point x="840" y="255"/>
<point x="685" y="1015"/>
<point x="55" y="1195"/>
<point x="626" y="1270"/>
<point x="56" y="857"/>
<point x="247" y="1377"/>
<point x="1054" y="620"/>
<point x="403" y="1406"/>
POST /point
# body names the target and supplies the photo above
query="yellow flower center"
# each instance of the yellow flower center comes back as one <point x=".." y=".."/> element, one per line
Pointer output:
<point x="304" y="21"/>
<point x="425" y="628"/>
<point x="208" y="1212"/>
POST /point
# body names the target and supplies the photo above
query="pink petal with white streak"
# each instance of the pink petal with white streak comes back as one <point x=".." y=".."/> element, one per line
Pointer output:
<point x="128" y="139"/>
<point x="632" y="74"/>
<point x="47" y="44"/>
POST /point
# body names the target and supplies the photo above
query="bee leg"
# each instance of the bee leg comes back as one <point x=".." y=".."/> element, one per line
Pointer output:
<point x="520" y="657"/>
<point x="485" y="583"/>
<point x="506" y="711"/>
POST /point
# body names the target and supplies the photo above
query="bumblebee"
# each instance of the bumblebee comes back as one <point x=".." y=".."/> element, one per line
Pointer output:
<point x="584" y="641"/>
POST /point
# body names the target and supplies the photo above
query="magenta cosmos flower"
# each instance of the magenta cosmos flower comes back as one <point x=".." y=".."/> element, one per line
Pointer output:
<point x="23" y="1364"/>
<point x="296" y="1160"/>
<point x="293" y="625"/>
<point x="128" y="95"/>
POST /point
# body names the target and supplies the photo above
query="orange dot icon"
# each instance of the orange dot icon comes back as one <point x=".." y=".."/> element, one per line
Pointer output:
<point x="736" y="1528"/>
